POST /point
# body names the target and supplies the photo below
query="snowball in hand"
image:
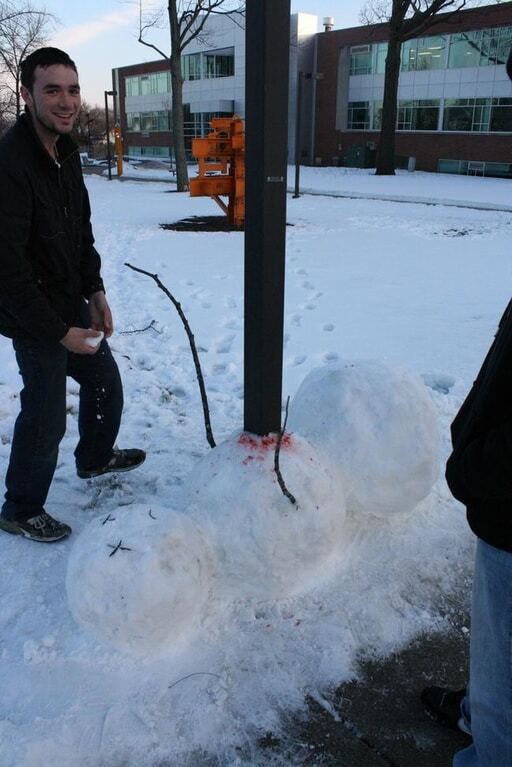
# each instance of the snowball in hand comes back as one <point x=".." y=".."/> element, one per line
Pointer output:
<point x="379" y="425"/>
<point x="150" y="592"/>
<point x="95" y="340"/>
<point x="266" y="547"/>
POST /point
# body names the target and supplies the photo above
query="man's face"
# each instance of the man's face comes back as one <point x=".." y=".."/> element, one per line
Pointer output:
<point x="54" y="101"/>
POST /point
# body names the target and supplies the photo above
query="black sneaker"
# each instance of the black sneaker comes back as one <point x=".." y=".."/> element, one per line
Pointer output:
<point x="122" y="460"/>
<point x="40" y="528"/>
<point x="443" y="706"/>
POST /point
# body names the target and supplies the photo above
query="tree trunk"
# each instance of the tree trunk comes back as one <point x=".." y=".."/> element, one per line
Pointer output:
<point x="386" y="153"/>
<point x="178" y="123"/>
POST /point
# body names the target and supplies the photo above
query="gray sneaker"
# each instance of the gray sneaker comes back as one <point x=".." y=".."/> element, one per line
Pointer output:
<point x="41" y="528"/>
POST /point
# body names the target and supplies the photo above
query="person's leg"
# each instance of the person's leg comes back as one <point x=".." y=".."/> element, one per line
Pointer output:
<point x="101" y="405"/>
<point x="39" y="428"/>
<point x="490" y="687"/>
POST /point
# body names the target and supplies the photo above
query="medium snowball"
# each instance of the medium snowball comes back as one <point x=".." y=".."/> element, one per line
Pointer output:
<point x="149" y="593"/>
<point x="379" y="425"/>
<point x="266" y="547"/>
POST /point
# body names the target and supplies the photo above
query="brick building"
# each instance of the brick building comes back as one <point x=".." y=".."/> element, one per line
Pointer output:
<point x="455" y="99"/>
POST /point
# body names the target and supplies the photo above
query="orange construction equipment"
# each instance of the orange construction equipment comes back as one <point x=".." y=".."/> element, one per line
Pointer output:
<point x="118" y="138"/>
<point x="221" y="157"/>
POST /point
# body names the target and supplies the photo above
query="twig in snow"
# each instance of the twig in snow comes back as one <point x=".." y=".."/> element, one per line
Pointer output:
<point x="277" y="470"/>
<point x="108" y="519"/>
<point x="196" y="673"/>
<point x="151" y="326"/>
<point x="199" y="373"/>
<point x="151" y="515"/>
<point x="118" y="547"/>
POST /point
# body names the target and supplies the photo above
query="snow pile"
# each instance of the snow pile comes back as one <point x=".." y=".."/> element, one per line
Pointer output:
<point x="267" y="548"/>
<point x="379" y="425"/>
<point x="140" y="579"/>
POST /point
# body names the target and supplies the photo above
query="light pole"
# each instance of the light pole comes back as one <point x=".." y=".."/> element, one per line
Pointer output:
<point x="109" y="157"/>
<point x="298" y="125"/>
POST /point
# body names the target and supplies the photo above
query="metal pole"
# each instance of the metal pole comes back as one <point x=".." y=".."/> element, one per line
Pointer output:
<point x="108" y="137"/>
<point x="298" y="143"/>
<point x="267" y="70"/>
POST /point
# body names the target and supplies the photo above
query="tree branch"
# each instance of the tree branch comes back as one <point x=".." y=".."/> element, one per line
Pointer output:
<point x="277" y="470"/>
<point x="200" y="379"/>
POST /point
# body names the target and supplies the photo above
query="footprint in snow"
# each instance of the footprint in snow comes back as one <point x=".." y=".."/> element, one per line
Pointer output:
<point x="301" y="271"/>
<point x="328" y="327"/>
<point x="296" y="319"/>
<point x="224" y="344"/>
<point x="307" y="285"/>
<point x="331" y="357"/>
<point x="310" y="306"/>
<point x="298" y="360"/>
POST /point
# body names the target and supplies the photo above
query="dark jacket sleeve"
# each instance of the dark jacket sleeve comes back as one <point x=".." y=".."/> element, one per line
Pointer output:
<point x="483" y="469"/>
<point x="509" y="64"/>
<point x="19" y="294"/>
<point x="90" y="263"/>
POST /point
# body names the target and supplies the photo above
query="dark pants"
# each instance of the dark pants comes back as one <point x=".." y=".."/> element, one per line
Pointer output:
<point x="41" y="423"/>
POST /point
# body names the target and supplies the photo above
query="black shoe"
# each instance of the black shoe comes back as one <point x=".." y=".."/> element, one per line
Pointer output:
<point x="41" y="528"/>
<point x="443" y="706"/>
<point x="122" y="460"/>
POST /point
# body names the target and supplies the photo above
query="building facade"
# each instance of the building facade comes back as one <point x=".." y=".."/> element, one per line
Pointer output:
<point x="214" y="85"/>
<point x="454" y="97"/>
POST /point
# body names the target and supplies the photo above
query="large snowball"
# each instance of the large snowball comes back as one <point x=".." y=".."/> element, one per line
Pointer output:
<point x="150" y="593"/>
<point x="379" y="425"/>
<point x="266" y="547"/>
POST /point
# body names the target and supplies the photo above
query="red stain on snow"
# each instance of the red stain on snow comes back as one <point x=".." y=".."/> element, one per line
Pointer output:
<point x="262" y="444"/>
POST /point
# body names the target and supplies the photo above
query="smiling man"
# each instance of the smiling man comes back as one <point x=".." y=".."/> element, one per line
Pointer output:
<point x="52" y="300"/>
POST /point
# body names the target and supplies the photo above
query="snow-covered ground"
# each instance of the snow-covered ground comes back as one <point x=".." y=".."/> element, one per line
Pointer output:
<point x="414" y="285"/>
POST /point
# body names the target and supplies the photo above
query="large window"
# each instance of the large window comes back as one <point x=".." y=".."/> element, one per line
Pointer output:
<point x="191" y="66"/>
<point x="486" y="47"/>
<point x="148" y="151"/>
<point x="380" y="58"/>
<point x="422" y="114"/>
<point x="148" y="122"/>
<point x="142" y="85"/>
<point x="424" y="53"/>
<point x="478" y="115"/>
<point x="358" y="115"/>
<point x="199" y="66"/>
<point x="361" y="60"/>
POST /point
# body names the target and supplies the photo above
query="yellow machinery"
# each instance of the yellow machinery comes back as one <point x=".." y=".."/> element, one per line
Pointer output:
<point x="221" y="158"/>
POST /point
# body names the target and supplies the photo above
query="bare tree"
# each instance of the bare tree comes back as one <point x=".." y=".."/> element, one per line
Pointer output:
<point x="21" y="33"/>
<point x="406" y="19"/>
<point x="186" y="19"/>
<point x="91" y="126"/>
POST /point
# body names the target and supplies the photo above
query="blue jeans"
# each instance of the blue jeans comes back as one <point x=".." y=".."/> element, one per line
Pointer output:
<point x="41" y="423"/>
<point x="489" y="703"/>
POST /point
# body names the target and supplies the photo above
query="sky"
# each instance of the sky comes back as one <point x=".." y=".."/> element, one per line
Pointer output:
<point x="102" y="34"/>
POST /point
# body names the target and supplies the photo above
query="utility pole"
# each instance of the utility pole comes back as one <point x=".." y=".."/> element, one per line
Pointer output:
<point x="267" y="72"/>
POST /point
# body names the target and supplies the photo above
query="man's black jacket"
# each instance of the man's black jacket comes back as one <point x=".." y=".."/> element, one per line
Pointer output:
<point x="48" y="263"/>
<point x="479" y="471"/>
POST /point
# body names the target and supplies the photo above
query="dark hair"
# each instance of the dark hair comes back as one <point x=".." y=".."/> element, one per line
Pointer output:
<point x="43" y="57"/>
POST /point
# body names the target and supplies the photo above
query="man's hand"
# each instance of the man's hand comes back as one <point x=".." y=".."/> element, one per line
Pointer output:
<point x="75" y="341"/>
<point x="100" y="314"/>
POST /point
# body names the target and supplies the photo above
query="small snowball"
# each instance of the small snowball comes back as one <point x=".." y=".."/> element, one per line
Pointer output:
<point x="266" y="547"/>
<point x="378" y="424"/>
<point x="95" y="340"/>
<point x="139" y="577"/>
